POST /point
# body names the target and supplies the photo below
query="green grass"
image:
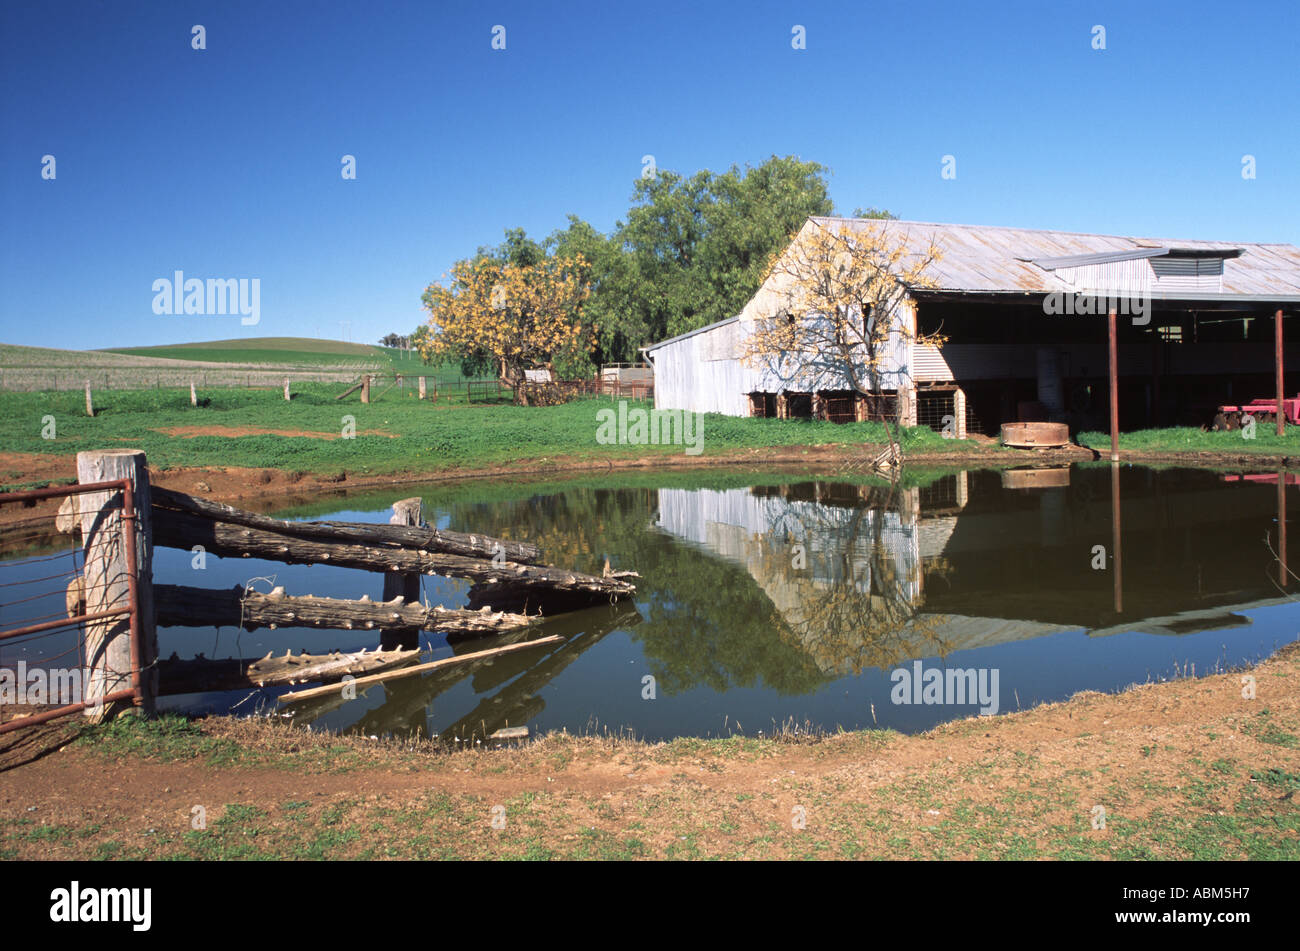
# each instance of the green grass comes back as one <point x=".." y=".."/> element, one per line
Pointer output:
<point x="424" y="437"/>
<point x="1190" y="439"/>
<point x="298" y="352"/>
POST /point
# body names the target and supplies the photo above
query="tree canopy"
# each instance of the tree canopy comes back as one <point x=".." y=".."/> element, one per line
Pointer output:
<point x="692" y="249"/>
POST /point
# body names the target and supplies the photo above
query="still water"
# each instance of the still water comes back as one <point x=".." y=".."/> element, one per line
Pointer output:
<point x="770" y="598"/>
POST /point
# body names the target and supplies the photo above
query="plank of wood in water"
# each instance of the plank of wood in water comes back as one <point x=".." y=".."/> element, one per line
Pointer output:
<point x="186" y="606"/>
<point x="177" y="676"/>
<point x="365" y="533"/>
<point x="423" y="668"/>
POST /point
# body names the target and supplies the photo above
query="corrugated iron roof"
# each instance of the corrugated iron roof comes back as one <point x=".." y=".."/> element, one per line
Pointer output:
<point x="691" y="333"/>
<point x="992" y="259"/>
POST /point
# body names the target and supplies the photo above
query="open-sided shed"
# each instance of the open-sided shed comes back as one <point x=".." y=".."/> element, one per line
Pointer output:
<point x="1025" y="316"/>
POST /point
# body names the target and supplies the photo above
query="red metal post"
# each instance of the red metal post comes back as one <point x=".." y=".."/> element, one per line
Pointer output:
<point x="1114" y="391"/>
<point x="1277" y="369"/>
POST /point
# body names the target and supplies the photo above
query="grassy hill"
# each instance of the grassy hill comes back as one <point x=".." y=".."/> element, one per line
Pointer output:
<point x="280" y="351"/>
<point x="253" y="361"/>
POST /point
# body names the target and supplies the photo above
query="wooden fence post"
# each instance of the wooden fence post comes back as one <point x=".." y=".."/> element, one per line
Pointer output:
<point x="405" y="512"/>
<point x="286" y="389"/>
<point x="365" y="389"/>
<point x="106" y="581"/>
<point x="194" y="396"/>
<point x="423" y="391"/>
<point x="90" y="405"/>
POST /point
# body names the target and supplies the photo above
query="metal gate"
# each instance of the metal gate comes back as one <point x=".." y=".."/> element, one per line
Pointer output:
<point x="42" y="627"/>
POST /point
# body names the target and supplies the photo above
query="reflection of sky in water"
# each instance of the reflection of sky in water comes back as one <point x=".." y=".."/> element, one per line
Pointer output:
<point x="735" y="634"/>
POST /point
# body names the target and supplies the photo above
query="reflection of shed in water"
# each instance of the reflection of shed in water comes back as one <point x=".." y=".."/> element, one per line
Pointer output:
<point x="844" y="574"/>
<point x="976" y="559"/>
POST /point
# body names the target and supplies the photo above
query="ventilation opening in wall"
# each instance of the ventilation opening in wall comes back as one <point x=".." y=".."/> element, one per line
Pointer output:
<point x="762" y="405"/>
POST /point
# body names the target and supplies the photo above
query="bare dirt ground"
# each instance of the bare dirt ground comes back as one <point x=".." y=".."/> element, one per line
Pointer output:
<point x="1186" y="769"/>
<point x="265" y="488"/>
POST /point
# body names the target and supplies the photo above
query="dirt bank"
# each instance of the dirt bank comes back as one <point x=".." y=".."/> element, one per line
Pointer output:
<point x="1187" y="769"/>
<point x="265" y="489"/>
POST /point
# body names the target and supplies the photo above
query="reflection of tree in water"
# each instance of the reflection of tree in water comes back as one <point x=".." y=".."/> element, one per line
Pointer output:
<point x="854" y="602"/>
<point x="707" y="622"/>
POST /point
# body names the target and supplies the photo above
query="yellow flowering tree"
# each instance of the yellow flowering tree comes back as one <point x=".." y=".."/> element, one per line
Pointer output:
<point x="521" y="315"/>
<point x="836" y="306"/>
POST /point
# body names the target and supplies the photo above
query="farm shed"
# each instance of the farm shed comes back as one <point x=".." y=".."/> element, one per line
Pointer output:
<point x="1024" y="314"/>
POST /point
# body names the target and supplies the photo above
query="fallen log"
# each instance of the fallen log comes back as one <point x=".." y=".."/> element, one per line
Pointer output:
<point x="358" y="533"/>
<point x="361" y="682"/>
<point x="201" y="674"/>
<point x="537" y="585"/>
<point x="185" y="606"/>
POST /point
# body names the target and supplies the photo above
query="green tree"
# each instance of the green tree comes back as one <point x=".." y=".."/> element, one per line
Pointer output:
<point x="872" y="212"/>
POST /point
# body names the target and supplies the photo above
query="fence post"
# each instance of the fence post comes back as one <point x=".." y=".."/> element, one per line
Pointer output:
<point x="90" y="405"/>
<point x="405" y="512"/>
<point x="107" y="580"/>
<point x="959" y="411"/>
<point x="365" y="389"/>
<point x="194" y="396"/>
<point x="423" y="391"/>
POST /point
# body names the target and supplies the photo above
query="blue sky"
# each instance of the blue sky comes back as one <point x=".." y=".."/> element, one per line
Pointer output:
<point x="225" y="162"/>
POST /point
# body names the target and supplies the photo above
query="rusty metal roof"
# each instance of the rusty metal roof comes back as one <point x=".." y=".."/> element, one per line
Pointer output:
<point x="989" y="260"/>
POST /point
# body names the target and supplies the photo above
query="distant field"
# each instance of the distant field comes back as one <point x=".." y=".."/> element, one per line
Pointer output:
<point x="256" y="361"/>
<point x="280" y="351"/>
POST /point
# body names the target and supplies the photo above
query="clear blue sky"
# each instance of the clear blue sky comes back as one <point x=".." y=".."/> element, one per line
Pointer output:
<point x="226" y="162"/>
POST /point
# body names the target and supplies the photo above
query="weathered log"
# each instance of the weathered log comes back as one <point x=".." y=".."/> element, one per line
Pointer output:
<point x="108" y="583"/>
<point x="202" y="674"/>
<point x="185" y="606"/>
<point x="475" y="657"/>
<point x="361" y="533"/>
<point x="539" y="585"/>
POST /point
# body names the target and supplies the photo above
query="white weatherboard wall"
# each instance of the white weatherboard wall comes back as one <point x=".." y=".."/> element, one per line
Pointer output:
<point x="700" y="373"/>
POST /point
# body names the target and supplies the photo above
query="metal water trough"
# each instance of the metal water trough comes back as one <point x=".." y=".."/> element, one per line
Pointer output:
<point x="1035" y="435"/>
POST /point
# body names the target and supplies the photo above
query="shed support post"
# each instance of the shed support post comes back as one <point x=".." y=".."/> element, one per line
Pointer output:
<point x="959" y="410"/>
<point x="1277" y="368"/>
<point x="907" y="405"/>
<point x="1114" y="388"/>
